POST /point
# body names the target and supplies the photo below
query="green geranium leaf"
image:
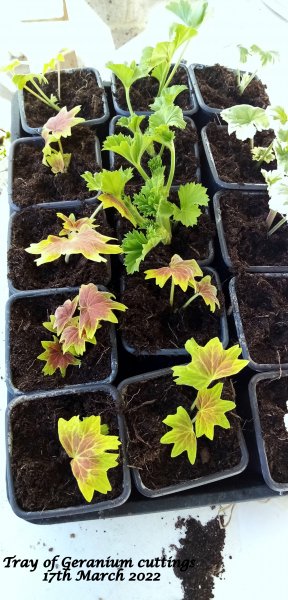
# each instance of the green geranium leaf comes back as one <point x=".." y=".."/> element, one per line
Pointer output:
<point x="191" y="196"/>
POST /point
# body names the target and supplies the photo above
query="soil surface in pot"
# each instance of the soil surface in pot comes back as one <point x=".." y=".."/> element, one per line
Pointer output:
<point x="218" y="87"/>
<point x="186" y="164"/>
<point x="78" y="87"/>
<point x="32" y="225"/>
<point x="272" y="402"/>
<point x="145" y="405"/>
<point x="263" y="309"/>
<point x="41" y="469"/>
<point x="144" y="91"/>
<point x="204" y="545"/>
<point x="26" y="334"/>
<point x="150" y="323"/>
<point x="232" y="157"/>
<point x="34" y="183"/>
<point x="244" y="221"/>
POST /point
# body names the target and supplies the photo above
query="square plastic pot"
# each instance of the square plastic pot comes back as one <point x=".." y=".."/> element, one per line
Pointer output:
<point x="89" y="122"/>
<point x="70" y="292"/>
<point x="181" y="352"/>
<point x="240" y="329"/>
<point x="126" y="113"/>
<point x="274" y="485"/>
<point x="190" y="484"/>
<point x="39" y="142"/>
<point x="71" y="513"/>
<point x="214" y="181"/>
<point x="223" y="245"/>
<point x="60" y="206"/>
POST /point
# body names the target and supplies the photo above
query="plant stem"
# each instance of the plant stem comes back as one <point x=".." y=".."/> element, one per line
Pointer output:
<point x="60" y="147"/>
<point x="243" y="88"/>
<point x="97" y="209"/>
<point x="127" y="94"/>
<point x="251" y="143"/>
<point x="172" y="292"/>
<point x="259" y="162"/>
<point x="141" y="171"/>
<point x="172" y="168"/>
<point x="50" y="103"/>
<point x="58" y="81"/>
<point x="67" y="256"/>
<point x="284" y="220"/>
<point x="161" y="150"/>
<point x="189" y="301"/>
<point x="271" y="216"/>
<point x="176" y="65"/>
<point x="36" y="95"/>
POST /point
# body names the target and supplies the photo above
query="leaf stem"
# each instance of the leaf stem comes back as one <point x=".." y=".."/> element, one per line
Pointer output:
<point x="97" y="210"/>
<point x="189" y="301"/>
<point x="36" y="95"/>
<point x="271" y="216"/>
<point x="284" y="220"/>
<point x="172" y="292"/>
<point x="127" y="94"/>
<point x="172" y="168"/>
<point x="50" y="103"/>
<point x="176" y="65"/>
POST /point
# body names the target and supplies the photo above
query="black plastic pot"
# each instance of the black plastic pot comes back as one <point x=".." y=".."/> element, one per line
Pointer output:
<point x="112" y="125"/>
<point x="181" y="352"/>
<point x="152" y="493"/>
<point x="12" y="390"/>
<point x="240" y="330"/>
<point x="223" y="245"/>
<point x="39" y="142"/>
<point x="274" y="485"/>
<point x="61" y="206"/>
<point x="126" y="113"/>
<point x="214" y="181"/>
<point x="89" y="122"/>
<point x="73" y="513"/>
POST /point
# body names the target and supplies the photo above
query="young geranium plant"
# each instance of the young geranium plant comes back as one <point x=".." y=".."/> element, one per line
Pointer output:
<point x="72" y="331"/>
<point x="158" y="61"/>
<point x="262" y="57"/>
<point x="32" y="82"/>
<point x="88" y="443"/>
<point x="78" y="236"/>
<point x="54" y="129"/>
<point x="184" y="273"/>
<point x="149" y="210"/>
<point x="209" y="363"/>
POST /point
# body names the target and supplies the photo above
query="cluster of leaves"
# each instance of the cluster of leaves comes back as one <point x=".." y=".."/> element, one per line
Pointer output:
<point x="245" y="121"/>
<point x="54" y="129"/>
<point x="78" y="236"/>
<point x="263" y="58"/>
<point x="209" y="363"/>
<point x="157" y="61"/>
<point x="31" y="82"/>
<point x="71" y="332"/>
<point x="88" y="443"/>
<point x="149" y="211"/>
<point x="184" y="273"/>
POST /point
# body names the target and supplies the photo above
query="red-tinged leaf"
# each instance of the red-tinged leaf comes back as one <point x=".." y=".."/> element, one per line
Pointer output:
<point x="72" y="224"/>
<point x="208" y="292"/>
<point x="91" y="244"/>
<point x="182" y="434"/>
<point x="85" y="442"/>
<point x="211" y="411"/>
<point x="208" y="363"/>
<point x="110" y="201"/>
<point x="55" y="358"/>
<point x="64" y="313"/>
<point x="72" y="340"/>
<point x="96" y="306"/>
<point x="49" y="249"/>
<point x="60" y="125"/>
<point x="181" y="271"/>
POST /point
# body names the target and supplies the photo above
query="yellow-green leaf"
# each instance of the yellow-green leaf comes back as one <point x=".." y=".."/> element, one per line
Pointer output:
<point x="211" y="411"/>
<point x="182" y="434"/>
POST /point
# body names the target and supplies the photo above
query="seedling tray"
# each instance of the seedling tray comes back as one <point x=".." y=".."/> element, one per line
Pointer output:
<point x="246" y="486"/>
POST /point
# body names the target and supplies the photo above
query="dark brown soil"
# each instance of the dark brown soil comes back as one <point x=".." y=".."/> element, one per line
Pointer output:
<point x="272" y="401"/>
<point x="150" y="323"/>
<point x="187" y="164"/>
<point x="26" y="334"/>
<point x="77" y="88"/>
<point x="244" y="220"/>
<point x="144" y="91"/>
<point x="203" y="544"/>
<point x="34" y="183"/>
<point x="263" y="310"/>
<point x="188" y="242"/>
<point x="145" y="405"/>
<point x="218" y="87"/>
<point x="32" y="225"/>
<point x="41" y="470"/>
<point x="232" y="157"/>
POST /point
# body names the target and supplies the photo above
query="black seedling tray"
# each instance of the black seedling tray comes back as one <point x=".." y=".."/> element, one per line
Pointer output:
<point x="247" y="486"/>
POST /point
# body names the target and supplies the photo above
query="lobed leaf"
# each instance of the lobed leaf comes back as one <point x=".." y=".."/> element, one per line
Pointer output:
<point x="123" y="206"/>
<point x="182" y="434"/>
<point x="128" y="74"/>
<point x="207" y="291"/>
<point x="191" y="13"/>
<point x="245" y="120"/>
<point x="211" y="409"/>
<point x="108" y="182"/>
<point x="191" y="196"/>
<point x="136" y="245"/>
<point x="55" y="358"/>
<point x="96" y="306"/>
<point x="168" y="96"/>
<point x="64" y="313"/>
<point x="181" y="271"/>
<point x="169" y="115"/>
<point x="208" y="363"/>
<point x="72" y="340"/>
<point x="60" y="125"/>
